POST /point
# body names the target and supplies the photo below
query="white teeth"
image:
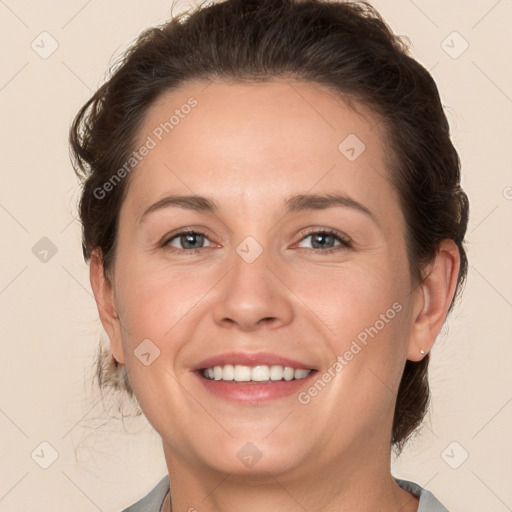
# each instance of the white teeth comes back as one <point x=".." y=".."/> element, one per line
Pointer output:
<point x="242" y="373"/>
<point x="227" y="372"/>
<point x="300" y="374"/>
<point x="260" y="373"/>
<point x="288" y="373"/>
<point x="276" y="372"/>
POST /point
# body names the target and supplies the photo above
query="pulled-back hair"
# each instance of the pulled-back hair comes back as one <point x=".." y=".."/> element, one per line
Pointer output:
<point x="345" y="46"/>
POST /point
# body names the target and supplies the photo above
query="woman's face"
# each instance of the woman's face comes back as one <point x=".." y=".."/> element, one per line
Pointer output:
<point x="260" y="284"/>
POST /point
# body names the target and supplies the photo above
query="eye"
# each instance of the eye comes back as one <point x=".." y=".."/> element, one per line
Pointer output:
<point x="188" y="241"/>
<point x="324" y="240"/>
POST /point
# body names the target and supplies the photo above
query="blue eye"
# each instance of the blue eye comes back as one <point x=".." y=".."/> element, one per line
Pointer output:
<point x="324" y="238"/>
<point x="190" y="242"/>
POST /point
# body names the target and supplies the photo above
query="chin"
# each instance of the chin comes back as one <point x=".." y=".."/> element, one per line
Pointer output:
<point x="241" y="456"/>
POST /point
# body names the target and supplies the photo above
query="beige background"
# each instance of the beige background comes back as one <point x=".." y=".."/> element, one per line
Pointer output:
<point x="48" y="317"/>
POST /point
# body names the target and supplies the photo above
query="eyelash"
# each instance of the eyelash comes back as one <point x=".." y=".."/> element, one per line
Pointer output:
<point x="345" y="243"/>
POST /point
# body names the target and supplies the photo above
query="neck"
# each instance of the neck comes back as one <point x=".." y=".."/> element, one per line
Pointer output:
<point x="337" y="487"/>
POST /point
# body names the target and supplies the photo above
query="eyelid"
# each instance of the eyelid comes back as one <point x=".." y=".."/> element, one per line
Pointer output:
<point x="319" y="229"/>
<point x="345" y="241"/>
<point x="185" y="231"/>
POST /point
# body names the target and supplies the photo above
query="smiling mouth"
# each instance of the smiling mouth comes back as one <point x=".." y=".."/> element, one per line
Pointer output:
<point x="259" y="373"/>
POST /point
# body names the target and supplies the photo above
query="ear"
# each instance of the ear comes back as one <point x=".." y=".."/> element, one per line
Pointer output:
<point x="104" y="296"/>
<point x="433" y="298"/>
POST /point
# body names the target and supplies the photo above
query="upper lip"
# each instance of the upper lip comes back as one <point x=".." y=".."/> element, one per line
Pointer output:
<point x="251" y="359"/>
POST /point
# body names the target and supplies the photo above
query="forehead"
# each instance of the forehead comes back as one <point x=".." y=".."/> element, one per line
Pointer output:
<point x="265" y="139"/>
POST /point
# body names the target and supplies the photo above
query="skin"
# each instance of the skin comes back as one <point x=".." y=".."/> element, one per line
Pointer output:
<point x="249" y="147"/>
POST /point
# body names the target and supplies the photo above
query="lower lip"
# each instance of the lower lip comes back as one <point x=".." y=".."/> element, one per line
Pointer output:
<point x="254" y="392"/>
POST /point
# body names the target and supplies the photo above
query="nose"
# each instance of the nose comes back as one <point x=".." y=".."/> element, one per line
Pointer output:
<point x="253" y="295"/>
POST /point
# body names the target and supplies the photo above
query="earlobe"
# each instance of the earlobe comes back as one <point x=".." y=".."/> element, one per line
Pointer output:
<point x="104" y="297"/>
<point x="433" y="299"/>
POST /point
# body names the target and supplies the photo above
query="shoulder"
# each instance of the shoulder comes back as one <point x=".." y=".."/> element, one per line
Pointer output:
<point x="428" y="502"/>
<point x="153" y="501"/>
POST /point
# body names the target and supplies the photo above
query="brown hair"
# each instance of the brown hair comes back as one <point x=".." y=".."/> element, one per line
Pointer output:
<point x="343" y="45"/>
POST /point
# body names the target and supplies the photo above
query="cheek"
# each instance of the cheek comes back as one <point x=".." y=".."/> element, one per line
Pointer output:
<point x="342" y="300"/>
<point x="158" y="302"/>
<point x="354" y="297"/>
<point x="366" y="309"/>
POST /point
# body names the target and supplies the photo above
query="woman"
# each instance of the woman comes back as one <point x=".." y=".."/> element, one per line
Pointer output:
<point x="274" y="221"/>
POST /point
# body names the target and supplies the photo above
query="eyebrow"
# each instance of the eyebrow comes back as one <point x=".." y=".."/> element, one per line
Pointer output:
<point x="295" y="203"/>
